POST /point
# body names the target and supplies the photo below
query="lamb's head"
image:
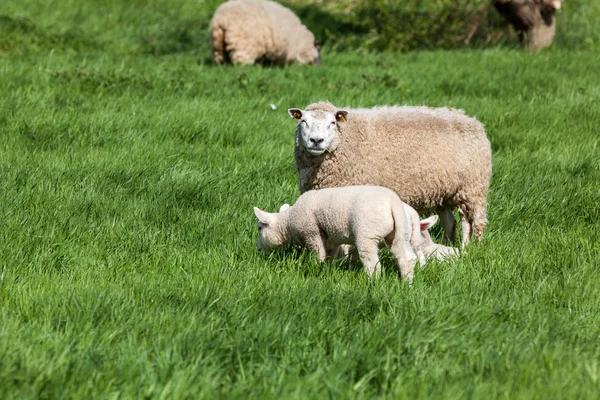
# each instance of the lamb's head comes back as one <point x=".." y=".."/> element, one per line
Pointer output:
<point x="431" y="249"/>
<point x="318" y="130"/>
<point x="270" y="234"/>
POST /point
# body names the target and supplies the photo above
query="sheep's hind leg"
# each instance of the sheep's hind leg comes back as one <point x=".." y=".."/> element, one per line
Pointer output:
<point x="449" y="224"/>
<point x="368" y="253"/>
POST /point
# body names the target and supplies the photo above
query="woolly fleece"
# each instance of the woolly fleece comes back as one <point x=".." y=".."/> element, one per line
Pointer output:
<point x="365" y="216"/>
<point x="435" y="159"/>
<point x="248" y="31"/>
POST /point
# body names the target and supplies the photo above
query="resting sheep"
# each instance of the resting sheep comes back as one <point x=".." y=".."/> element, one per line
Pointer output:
<point x="365" y="216"/>
<point x="251" y="31"/>
<point x="435" y="159"/>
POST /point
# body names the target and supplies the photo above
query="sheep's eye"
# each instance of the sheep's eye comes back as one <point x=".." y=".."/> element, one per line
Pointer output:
<point x="260" y="228"/>
<point x="332" y="123"/>
<point x="303" y="122"/>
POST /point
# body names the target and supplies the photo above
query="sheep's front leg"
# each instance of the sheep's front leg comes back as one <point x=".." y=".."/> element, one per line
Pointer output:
<point x="316" y="244"/>
<point x="368" y="254"/>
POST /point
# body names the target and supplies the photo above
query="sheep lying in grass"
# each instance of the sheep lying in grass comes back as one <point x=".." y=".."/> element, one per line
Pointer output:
<point x="250" y="31"/>
<point x="366" y="216"/>
<point x="435" y="159"/>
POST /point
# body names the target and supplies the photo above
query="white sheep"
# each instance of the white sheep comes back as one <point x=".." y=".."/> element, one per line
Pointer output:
<point x="366" y="216"/>
<point x="429" y="247"/>
<point x="250" y="31"/>
<point x="435" y="159"/>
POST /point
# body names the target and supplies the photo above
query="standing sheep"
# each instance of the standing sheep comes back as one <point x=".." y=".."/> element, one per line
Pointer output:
<point x="532" y="19"/>
<point x="435" y="159"/>
<point x="251" y="31"/>
<point x="366" y="216"/>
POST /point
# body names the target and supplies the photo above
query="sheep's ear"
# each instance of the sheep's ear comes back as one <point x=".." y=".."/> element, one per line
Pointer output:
<point x="557" y="4"/>
<point x="428" y="222"/>
<point x="284" y="207"/>
<point x="340" y="116"/>
<point x="295" y="113"/>
<point x="263" y="216"/>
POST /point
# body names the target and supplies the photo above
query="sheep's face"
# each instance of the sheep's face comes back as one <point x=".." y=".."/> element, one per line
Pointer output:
<point x="318" y="131"/>
<point x="269" y="234"/>
<point x="431" y="249"/>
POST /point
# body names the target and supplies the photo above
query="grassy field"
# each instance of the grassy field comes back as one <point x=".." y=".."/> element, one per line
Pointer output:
<point x="128" y="170"/>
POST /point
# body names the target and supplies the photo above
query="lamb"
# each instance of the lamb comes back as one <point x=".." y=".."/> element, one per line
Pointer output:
<point x="429" y="247"/>
<point x="532" y="19"/>
<point x="366" y="216"/>
<point x="435" y="159"/>
<point x="251" y="31"/>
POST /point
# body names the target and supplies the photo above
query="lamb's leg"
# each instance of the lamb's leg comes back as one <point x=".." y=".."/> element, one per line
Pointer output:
<point x="341" y="252"/>
<point x="316" y="244"/>
<point x="405" y="257"/>
<point x="449" y="224"/>
<point x="368" y="253"/>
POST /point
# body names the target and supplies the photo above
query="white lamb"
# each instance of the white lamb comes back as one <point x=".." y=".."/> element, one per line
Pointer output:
<point x="429" y="247"/>
<point x="366" y="216"/>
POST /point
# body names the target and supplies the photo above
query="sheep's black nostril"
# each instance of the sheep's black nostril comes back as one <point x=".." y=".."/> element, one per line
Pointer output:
<point x="316" y="141"/>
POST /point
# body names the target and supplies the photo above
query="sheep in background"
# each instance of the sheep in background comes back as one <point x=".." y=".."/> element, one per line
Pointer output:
<point x="366" y="216"/>
<point x="434" y="159"/>
<point x="251" y="31"/>
<point x="532" y="19"/>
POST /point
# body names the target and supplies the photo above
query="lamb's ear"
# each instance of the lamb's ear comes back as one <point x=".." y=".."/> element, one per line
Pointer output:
<point x="295" y="113"/>
<point x="428" y="222"/>
<point x="263" y="216"/>
<point x="340" y="115"/>
<point x="284" y="207"/>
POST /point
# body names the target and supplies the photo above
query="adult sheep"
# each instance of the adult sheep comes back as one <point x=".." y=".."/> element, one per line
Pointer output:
<point x="533" y="20"/>
<point x="251" y="31"/>
<point x="435" y="159"/>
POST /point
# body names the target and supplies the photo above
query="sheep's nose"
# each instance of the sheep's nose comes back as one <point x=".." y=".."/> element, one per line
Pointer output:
<point x="316" y="140"/>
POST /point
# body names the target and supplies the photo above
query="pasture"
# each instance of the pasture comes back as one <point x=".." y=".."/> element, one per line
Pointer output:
<point x="128" y="265"/>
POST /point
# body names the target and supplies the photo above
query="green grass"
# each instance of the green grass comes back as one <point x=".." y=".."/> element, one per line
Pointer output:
<point x="127" y="240"/>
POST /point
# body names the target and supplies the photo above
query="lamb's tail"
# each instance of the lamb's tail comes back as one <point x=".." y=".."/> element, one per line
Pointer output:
<point x="217" y="36"/>
<point x="407" y="229"/>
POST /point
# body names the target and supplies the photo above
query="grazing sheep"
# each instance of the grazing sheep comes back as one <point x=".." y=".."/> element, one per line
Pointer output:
<point x="429" y="247"/>
<point x="251" y="31"/>
<point x="435" y="159"/>
<point x="365" y="216"/>
<point x="532" y="19"/>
